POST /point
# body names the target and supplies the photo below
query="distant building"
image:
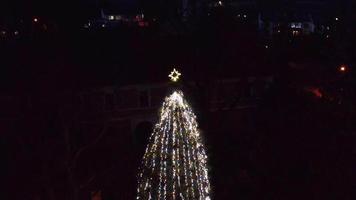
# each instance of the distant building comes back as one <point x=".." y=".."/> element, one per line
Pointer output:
<point x="111" y="18"/>
<point x="293" y="17"/>
<point x="296" y="25"/>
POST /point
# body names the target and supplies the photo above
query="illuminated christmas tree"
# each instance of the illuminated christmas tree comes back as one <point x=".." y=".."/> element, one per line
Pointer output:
<point x="174" y="166"/>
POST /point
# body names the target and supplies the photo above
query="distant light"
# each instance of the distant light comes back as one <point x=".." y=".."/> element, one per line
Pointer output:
<point x="279" y="31"/>
<point x="295" y="33"/>
<point x="266" y="46"/>
<point x="343" y="68"/>
<point x="336" y="19"/>
<point x="87" y="25"/>
<point x="103" y="25"/>
<point x="327" y="28"/>
<point x="238" y="15"/>
<point x="35" y="19"/>
<point x="3" y="32"/>
<point x="220" y="3"/>
<point x="111" y="17"/>
<point x="16" y="33"/>
<point x="296" y="25"/>
<point x="315" y="91"/>
<point x="245" y="16"/>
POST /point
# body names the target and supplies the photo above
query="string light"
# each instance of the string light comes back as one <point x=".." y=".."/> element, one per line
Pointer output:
<point x="174" y="165"/>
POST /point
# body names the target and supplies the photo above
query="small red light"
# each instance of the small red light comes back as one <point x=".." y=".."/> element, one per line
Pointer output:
<point x="141" y="24"/>
<point x="315" y="91"/>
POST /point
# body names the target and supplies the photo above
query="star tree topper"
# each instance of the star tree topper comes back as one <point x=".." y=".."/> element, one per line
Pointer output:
<point x="174" y="75"/>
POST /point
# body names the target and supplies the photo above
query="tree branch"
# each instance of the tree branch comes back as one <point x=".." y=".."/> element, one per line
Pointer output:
<point x="84" y="148"/>
<point x="93" y="177"/>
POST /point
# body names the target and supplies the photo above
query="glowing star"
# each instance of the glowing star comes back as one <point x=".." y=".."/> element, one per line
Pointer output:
<point x="174" y="75"/>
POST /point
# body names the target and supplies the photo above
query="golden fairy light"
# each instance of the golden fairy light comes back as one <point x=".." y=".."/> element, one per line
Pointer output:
<point x="174" y="165"/>
<point x="174" y="75"/>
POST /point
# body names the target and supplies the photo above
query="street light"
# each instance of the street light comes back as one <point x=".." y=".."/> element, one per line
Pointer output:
<point x="343" y="68"/>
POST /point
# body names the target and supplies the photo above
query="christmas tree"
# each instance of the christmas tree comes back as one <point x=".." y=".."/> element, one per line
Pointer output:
<point x="174" y="166"/>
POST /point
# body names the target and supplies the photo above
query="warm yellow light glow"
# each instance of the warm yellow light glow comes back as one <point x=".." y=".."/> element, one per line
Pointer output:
<point x="343" y="68"/>
<point x="174" y="75"/>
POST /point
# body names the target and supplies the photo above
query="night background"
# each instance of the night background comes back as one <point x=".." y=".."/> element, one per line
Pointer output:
<point x="272" y="83"/>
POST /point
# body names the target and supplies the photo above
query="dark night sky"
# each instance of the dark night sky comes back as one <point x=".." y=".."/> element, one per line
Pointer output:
<point x="68" y="12"/>
<point x="83" y="7"/>
<point x="59" y="8"/>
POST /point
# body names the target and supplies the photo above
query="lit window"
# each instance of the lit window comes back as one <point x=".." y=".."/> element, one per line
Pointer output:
<point x="296" y="25"/>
